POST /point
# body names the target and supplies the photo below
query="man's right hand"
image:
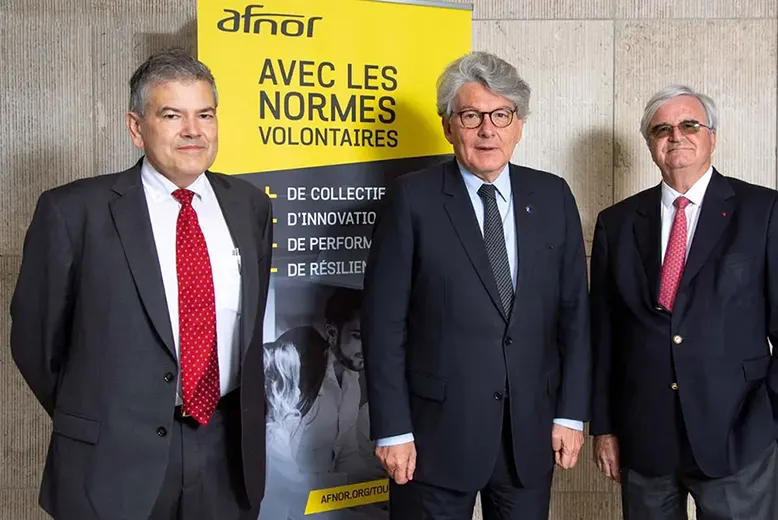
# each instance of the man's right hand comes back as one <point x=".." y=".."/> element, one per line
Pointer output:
<point x="606" y="456"/>
<point x="399" y="461"/>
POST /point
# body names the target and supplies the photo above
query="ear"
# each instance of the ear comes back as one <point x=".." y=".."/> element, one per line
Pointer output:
<point x="332" y="334"/>
<point x="446" y="122"/>
<point x="133" y="121"/>
<point x="712" y="141"/>
<point x="520" y="130"/>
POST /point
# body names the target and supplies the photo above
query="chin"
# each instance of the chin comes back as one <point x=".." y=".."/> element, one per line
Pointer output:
<point x="679" y="164"/>
<point x="487" y="167"/>
<point x="190" y="169"/>
<point x="194" y="169"/>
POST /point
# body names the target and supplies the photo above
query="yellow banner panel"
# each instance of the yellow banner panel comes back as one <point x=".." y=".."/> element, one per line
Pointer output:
<point x="304" y="84"/>
<point x="342" y="497"/>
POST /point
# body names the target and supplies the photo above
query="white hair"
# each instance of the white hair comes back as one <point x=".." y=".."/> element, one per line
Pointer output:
<point x="674" y="91"/>
<point x="282" y="385"/>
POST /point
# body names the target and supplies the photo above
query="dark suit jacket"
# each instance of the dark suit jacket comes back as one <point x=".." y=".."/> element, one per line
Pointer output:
<point x="91" y="335"/>
<point x="713" y="345"/>
<point x="441" y="355"/>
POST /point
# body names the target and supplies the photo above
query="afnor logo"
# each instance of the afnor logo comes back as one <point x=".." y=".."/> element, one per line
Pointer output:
<point x="254" y="21"/>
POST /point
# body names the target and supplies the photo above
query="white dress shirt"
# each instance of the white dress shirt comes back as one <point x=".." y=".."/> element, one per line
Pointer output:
<point x="225" y="264"/>
<point x="695" y="195"/>
<point x="505" y="205"/>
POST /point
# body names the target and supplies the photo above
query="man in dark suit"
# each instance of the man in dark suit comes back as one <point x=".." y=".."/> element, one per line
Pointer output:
<point x="137" y="320"/>
<point x="475" y="316"/>
<point x="684" y="300"/>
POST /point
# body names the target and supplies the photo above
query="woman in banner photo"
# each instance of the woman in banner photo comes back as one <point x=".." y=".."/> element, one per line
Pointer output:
<point x="316" y="407"/>
<point x="286" y="488"/>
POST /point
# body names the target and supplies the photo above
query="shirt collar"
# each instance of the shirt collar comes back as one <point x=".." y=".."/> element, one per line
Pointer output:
<point x="695" y="194"/>
<point x="502" y="182"/>
<point x="159" y="188"/>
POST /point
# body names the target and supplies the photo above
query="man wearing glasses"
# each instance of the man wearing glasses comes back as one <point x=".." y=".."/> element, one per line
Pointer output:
<point x="475" y="323"/>
<point x="684" y="300"/>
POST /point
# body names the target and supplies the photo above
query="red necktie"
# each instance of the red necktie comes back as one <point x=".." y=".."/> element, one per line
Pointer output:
<point x="675" y="256"/>
<point x="198" y="356"/>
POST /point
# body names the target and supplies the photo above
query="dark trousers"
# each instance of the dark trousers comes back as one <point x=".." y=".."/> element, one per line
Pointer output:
<point x="503" y="497"/>
<point x="749" y="494"/>
<point x="204" y="479"/>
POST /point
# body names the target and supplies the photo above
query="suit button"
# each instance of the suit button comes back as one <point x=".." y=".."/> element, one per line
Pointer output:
<point x="508" y="341"/>
<point x="169" y="377"/>
<point x="677" y="339"/>
<point x="498" y="396"/>
<point x="674" y="386"/>
<point x="161" y="431"/>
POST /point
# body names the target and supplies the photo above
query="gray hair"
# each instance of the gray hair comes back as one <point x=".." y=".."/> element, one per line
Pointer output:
<point x="496" y="74"/>
<point x="674" y="91"/>
<point x="170" y="65"/>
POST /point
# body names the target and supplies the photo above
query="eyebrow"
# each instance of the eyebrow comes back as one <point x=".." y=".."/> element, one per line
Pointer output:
<point x="679" y="122"/>
<point x="168" y="108"/>
<point x="470" y="107"/>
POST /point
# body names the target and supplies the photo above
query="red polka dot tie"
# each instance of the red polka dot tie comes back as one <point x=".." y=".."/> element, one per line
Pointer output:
<point x="675" y="256"/>
<point x="198" y="356"/>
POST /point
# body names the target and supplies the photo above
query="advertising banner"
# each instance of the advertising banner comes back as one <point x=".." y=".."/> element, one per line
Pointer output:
<point x="321" y="104"/>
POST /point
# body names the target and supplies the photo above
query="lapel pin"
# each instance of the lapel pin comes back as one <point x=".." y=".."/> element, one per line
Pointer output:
<point x="529" y="208"/>
<point x="723" y="213"/>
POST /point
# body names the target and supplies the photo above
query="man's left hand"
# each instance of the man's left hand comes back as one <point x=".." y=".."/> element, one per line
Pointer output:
<point x="567" y="445"/>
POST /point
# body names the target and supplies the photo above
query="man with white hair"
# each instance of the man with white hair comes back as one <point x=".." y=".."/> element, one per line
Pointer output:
<point x="684" y="300"/>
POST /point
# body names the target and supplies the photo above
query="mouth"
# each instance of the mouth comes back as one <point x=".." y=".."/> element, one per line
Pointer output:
<point x="191" y="148"/>
<point x="485" y="148"/>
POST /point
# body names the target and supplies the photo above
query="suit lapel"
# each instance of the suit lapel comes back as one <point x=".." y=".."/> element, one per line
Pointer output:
<point x="525" y="214"/>
<point x="460" y="211"/>
<point x="648" y="238"/>
<point x="131" y="217"/>
<point x="239" y="217"/>
<point x="717" y="208"/>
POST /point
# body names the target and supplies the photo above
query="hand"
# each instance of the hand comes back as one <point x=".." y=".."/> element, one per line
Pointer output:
<point x="606" y="456"/>
<point x="567" y="445"/>
<point x="399" y="461"/>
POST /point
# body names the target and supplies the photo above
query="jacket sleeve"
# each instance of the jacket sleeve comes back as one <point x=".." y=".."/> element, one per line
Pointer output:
<point x="772" y="300"/>
<point x="387" y="290"/>
<point x="42" y="302"/>
<point x="601" y="334"/>
<point x="573" y="329"/>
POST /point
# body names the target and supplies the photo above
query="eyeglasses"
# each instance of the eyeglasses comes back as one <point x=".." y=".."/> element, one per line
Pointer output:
<point x="685" y="127"/>
<point x="500" y="117"/>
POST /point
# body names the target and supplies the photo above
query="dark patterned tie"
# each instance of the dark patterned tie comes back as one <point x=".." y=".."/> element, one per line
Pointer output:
<point x="494" y="239"/>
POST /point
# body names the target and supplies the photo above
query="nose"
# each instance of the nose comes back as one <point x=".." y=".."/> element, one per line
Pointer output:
<point x="487" y="128"/>
<point x="676" y="135"/>
<point x="191" y="127"/>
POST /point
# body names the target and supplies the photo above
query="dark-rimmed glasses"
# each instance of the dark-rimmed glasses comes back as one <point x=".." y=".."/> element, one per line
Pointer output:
<point x="688" y="127"/>
<point x="500" y="117"/>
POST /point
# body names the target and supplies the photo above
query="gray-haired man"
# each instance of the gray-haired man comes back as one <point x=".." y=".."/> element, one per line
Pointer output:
<point x="475" y="317"/>
<point x="135" y="320"/>
<point x="684" y="300"/>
